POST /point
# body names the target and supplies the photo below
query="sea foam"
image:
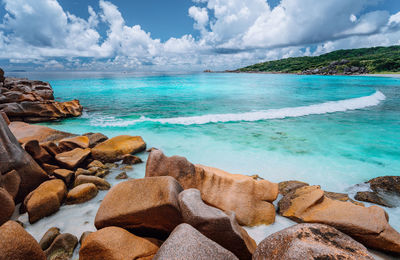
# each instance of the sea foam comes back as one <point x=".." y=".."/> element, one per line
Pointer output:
<point x="316" y="109"/>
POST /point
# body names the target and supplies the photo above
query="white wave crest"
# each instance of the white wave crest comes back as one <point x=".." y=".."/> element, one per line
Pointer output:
<point x="317" y="109"/>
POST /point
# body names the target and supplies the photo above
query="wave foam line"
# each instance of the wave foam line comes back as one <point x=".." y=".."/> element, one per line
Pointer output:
<point x="317" y="109"/>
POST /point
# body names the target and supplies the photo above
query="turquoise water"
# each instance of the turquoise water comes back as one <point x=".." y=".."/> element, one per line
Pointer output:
<point x="333" y="131"/>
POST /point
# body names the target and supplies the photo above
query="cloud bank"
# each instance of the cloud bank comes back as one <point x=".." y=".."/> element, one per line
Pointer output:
<point x="232" y="33"/>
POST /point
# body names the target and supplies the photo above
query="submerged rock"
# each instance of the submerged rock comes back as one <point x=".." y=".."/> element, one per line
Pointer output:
<point x="114" y="243"/>
<point x="185" y="242"/>
<point x="310" y="241"/>
<point x="131" y="159"/>
<point x="148" y="205"/>
<point x="121" y="176"/>
<point x="248" y="198"/>
<point x="372" y="197"/>
<point x="215" y="224"/>
<point x="17" y="244"/>
<point x="367" y="225"/>
<point x="45" y="200"/>
<point x="13" y="157"/>
<point x="115" y="148"/>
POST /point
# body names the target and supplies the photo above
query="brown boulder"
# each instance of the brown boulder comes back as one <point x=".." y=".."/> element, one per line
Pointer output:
<point x="17" y="244"/>
<point x="95" y="138"/>
<point x="49" y="168"/>
<point x="74" y="142"/>
<point x="72" y="159"/>
<point x="367" y="225"/>
<point x="81" y="193"/>
<point x="121" y="176"/>
<point x="113" y="149"/>
<point x="99" y="182"/>
<point x="65" y="175"/>
<point x="5" y="117"/>
<point x="10" y="182"/>
<point x="62" y="247"/>
<point x="25" y="132"/>
<point x="215" y="224"/>
<point x="49" y="237"/>
<point x="51" y="148"/>
<point x="131" y="159"/>
<point x="185" y="242"/>
<point x="97" y="164"/>
<point x="45" y="200"/>
<point x="114" y="243"/>
<point x="7" y="206"/>
<point x="37" y="152"/>
<point x="13" y="157"/>
<point x="310" y="241"/>
<point x="149" y="204"/>
<point x="248" y="198"/>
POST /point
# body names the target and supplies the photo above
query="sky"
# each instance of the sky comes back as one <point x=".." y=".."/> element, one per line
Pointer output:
<point x="185" y="35"/>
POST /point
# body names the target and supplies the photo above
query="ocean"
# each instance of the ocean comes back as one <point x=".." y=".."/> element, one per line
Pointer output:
<point x="333" y="131"/>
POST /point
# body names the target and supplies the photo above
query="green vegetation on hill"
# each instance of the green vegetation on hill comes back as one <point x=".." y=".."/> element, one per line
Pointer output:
<point x="367" y="60"/>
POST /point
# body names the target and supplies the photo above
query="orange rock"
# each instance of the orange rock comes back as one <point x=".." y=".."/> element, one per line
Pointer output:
<point x="17" y="244"/>
<point x="74" y="142"/>
<point x="115" y="148"/>
<point x="367" y="225"/>
<point x="66" y="175"/>
<point x="114" y="243"/>
<point x="250" y="199"/>
<point x="45" y="200"/>
<point x="49" y="168"/>
<point x="51" y="148"/>
<point x="142" y="204"/>
<point x="72" y="159"/>
<point x="81" y="193"/>
<point x="99" y="182"/>
<point x="25" y="132"/>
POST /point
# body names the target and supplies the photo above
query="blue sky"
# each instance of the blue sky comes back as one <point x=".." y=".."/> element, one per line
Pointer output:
<point x="177" y="35"/>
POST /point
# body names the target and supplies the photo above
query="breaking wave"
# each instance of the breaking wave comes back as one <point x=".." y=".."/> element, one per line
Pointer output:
<point x="317" y="109"/>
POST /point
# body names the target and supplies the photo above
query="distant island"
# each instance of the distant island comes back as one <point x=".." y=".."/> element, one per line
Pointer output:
<point x="341" y="62"/>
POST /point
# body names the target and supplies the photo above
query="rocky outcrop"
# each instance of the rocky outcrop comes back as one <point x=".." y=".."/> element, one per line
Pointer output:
<point x="95" y="138"/>
<point x="17" y="244"/>
<point x="185" y="242"/>
<point x="45" y="200"/>
<point x="33" y="101"/>
<point x="114" y="243"/>
<point x="62" y="247"/>
<point x="372" y="197"/>
<point x="71" y="143"/>
<point x="384" y="190"/>
<point x="13" y="157"/>
<point x="115" y="148"/>
<point x="81" y="193"/>
<point x="250" y="199"/>
<point x="65" y="175"/>
<point x="25" y="132"/>
<point x="149" y="204"/>
<point x="38" y="152"/>
<point x="367" y="225"/>
<point x="215" y="224"/>
<point x="286" y="187"/>
<point x="343" y="67"/>
<point x="310" y="241"/>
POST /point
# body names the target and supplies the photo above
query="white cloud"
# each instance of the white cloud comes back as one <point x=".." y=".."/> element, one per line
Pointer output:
<point x="233" y="33"/>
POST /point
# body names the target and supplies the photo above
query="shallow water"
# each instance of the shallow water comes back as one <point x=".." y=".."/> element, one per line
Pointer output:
<point x="334" y="131"/>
